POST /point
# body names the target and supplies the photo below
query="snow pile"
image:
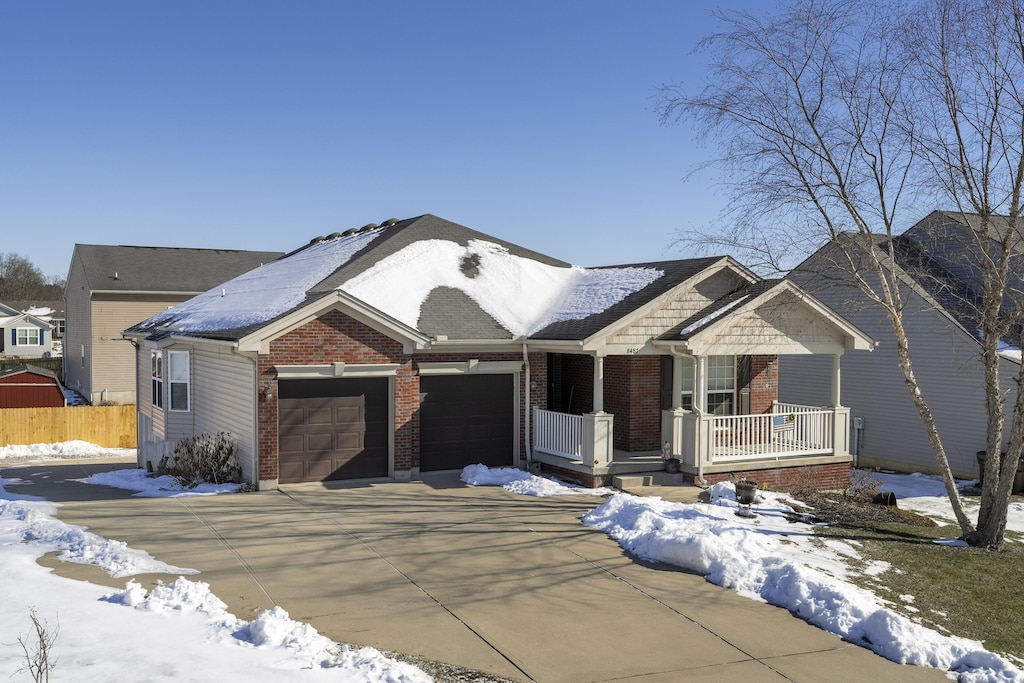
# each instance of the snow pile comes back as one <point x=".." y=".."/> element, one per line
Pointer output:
<point x="178" y="631"/>
<point x="62" y="450"/>
<point x="272" y="630"/>
<point x="522" y="294"/>
<point x="37" y="524"/>
<point x="148" y="486"/>
<point x="770" y="559"/>
<point x="524" y="483"/>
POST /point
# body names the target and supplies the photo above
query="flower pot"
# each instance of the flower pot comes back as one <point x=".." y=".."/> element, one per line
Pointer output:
<point x="672" y="465"/>
<point x="746" y="492"/>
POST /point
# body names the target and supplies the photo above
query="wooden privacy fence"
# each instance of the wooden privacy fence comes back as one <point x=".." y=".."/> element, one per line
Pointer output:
<point x="106" y="426"/>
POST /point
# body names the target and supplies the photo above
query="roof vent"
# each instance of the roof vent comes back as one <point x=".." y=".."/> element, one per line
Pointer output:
<point x="333" y="236"/>
<point x="350" y="231"/>
<point x="389" y="222"/>
<point x="115" y="275"/>
<point x="317" y="239"/>
<point x="368" y="227"/>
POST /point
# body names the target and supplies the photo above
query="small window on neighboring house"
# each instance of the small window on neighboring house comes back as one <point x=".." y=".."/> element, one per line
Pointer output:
<point x="58" y="327"/>
<point x="157" y="372"/>
<point x="27" y="336"/>
<point x="178" y="378"/>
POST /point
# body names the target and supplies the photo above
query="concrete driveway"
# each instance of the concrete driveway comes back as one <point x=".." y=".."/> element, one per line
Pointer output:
<point x="511" y="585"/>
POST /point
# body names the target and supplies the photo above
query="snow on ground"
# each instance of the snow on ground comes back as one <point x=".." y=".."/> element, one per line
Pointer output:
<point x="518" y="481"/>
<point x="66" y="450"/>
<point x="181" y="630"/>
<point x="769" y="558"/>
<point x="178" y="631"/>
<point x="925" y="494"/>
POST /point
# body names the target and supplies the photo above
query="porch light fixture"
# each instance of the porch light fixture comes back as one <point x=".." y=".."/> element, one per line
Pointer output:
<point x="268" y="392"/>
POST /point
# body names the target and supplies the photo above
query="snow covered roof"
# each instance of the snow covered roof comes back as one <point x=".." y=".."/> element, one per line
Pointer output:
<point x="432" y="275"/>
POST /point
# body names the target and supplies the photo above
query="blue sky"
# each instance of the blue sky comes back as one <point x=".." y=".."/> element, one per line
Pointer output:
<point x="259" y="125"/>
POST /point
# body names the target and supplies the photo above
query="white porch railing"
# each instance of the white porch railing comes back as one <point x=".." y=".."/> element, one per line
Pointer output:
<point x="558" y="433"/>
<point x="790" y="430"/>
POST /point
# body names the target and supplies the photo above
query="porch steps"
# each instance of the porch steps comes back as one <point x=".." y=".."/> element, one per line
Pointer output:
<point x="671" y="487"/>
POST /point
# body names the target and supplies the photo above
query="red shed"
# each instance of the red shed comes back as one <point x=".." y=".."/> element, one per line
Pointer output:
<point x="27" y="386"/>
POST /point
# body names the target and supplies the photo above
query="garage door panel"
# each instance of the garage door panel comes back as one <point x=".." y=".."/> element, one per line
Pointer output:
<point x="333" y="429"/>
<point x="466" y="419"/>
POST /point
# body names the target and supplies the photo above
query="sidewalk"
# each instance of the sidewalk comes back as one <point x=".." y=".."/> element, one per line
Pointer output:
<point x="514" y="586"/>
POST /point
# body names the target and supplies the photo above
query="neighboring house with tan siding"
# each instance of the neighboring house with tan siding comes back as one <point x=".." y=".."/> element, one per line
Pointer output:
<point x="110" y="288"/>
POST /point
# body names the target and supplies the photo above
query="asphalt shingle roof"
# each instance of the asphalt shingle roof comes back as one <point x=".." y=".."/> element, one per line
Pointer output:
<point x="164" y="269"/>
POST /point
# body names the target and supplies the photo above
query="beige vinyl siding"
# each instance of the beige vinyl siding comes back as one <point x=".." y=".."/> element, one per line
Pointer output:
<point x="778" y="326"/>
<point x="224" y="395"/>
<point x="682" y="306"/>
<point x="78" y="322"/>
<point x="112" y="356"/>
<point x="152" y="445"/>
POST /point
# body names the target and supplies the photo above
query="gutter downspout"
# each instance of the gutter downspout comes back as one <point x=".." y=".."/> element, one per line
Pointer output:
<point x="701" y="481"/>
<point x="526" y="408"/>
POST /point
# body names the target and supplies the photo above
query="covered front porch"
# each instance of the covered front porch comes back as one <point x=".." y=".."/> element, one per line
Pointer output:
<point x="715" y="411"/>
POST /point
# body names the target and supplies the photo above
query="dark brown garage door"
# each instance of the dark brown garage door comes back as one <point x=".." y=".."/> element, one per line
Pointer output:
<point x="332" y="429"/>
<point x="465" y="420"/>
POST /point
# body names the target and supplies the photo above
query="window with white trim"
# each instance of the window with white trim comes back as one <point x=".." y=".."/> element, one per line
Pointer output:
<point x="722" y="385"/>
<point x="178" y="380"/>
<point x="28" y="336"/>
<point x="157" y="375"/>
<point x="721" y="396"/>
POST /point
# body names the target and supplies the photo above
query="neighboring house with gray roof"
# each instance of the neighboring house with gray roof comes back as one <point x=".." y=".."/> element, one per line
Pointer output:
<point x="937" y="264"/>
<point x="110" y="288"/>
<point x="422" y="345"/>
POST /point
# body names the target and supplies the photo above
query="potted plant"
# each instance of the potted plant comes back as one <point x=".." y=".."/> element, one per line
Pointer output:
<point x="670" y="460"/>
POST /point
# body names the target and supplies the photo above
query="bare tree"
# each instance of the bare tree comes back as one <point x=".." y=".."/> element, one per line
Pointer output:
<point x="837" y="121"/>
<point x="20" y="279"/>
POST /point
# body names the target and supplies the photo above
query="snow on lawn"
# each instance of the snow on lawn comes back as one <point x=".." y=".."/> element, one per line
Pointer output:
<point x="771" y="559"/>
<point x="178" y="631"/>
<point x="925" y="494"/>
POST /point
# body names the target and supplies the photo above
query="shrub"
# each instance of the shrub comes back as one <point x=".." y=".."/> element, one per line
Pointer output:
<point x="203" y="458"/>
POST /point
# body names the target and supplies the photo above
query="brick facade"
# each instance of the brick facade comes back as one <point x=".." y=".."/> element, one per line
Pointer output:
<point x="764" y="383"/>
<point x="632" y="393"/>
<point x="829" y="477"/>
<point x="335" y="337"/>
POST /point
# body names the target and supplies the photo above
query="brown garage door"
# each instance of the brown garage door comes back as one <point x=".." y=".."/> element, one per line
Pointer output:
<point x="465" y="420"/>
<point x="332" y="429"/>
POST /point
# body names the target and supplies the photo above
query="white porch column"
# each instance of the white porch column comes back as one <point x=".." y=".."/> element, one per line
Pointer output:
<point x="677" y="382"/>
<point x="700" y="383"/>
<point x="835" y="379"/>
<point x="598" y="384"/>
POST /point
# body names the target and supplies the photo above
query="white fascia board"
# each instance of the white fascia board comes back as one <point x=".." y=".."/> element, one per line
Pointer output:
<point x="475" y="345"/>
<point x="410" y="338"/>
<point x="471" y="367"/>
<point x="335" y="370"/>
